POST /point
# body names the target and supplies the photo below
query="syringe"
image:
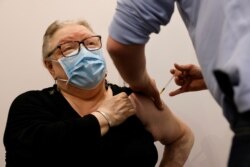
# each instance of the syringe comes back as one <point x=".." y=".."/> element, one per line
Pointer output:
<point x="166" y="85"/>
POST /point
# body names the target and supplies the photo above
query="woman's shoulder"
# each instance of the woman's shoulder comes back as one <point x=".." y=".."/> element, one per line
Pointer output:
<point x="34" y="94"/>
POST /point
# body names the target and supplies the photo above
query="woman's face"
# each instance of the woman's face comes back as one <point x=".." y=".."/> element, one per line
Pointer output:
<point x="68" y="33"/>
<point x="64" y="38"/>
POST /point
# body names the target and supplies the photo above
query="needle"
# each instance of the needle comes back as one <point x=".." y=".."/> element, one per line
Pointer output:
<point x="166" y="85"/>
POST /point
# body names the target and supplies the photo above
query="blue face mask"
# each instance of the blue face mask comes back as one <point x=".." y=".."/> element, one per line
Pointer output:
<point x="84" y="70"/>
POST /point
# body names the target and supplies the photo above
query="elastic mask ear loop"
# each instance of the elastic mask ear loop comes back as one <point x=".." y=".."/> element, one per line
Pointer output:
<point x="57" y="88"/>
<point x="56" y="79"/>
<point x="63" y="80"/>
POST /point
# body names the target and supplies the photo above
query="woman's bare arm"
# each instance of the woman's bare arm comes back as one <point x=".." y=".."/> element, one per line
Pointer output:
<point x="165" y="127"/>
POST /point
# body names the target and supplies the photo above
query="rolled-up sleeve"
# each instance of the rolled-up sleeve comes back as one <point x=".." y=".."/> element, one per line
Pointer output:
<point x="135" y="20"/>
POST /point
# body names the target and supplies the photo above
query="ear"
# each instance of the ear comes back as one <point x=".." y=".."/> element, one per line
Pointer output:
<point x="49" y="65"/>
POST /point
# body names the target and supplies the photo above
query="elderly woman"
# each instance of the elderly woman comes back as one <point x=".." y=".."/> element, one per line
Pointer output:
<point x="84" y="121"/>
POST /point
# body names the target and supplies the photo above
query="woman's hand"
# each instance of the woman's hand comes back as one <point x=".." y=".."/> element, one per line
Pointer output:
<point x="117" y="109"/>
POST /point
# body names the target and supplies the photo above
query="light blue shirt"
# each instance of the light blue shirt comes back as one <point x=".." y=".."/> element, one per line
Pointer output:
<point x="219" y="29"/>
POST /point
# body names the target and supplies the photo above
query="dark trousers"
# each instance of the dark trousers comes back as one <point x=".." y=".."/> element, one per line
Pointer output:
<point x="239" y="123"/>
<point x="240" y="150"/>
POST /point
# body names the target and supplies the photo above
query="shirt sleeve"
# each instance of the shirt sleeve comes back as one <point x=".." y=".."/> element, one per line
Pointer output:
<point x="135" y="20"/>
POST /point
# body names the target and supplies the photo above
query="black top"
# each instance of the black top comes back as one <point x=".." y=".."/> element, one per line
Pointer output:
<point x="44" y="130"/>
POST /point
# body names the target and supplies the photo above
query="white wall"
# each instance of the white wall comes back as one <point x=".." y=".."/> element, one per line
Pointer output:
<point x="22" y="26"/>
